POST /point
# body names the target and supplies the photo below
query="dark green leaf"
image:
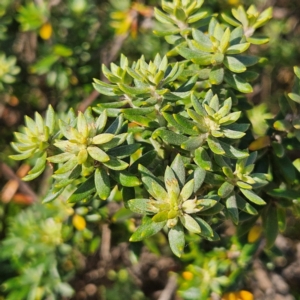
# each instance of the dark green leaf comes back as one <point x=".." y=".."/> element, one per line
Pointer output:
<point x="83" y="191"/>
<point x="125" y="178"/>
<point x="231" y="205"/>
<point x="193" y="143"/>
<point x="218" y="207"/>
<point x="124" y="151"/>
<point x="202" y="159"/>
<point x="245" y="206"/>
<point x="238" y="83"/>
<point x="144" y="160"/>
<point x="270" y="225"/>
<point x="116" y="164"/>
<point x="222" y="148"/>
<point x="169" y="137"/>
<point x="199" y="177"/>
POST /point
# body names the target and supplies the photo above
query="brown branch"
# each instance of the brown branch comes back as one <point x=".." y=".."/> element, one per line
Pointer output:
<point x="9" y="174"/>
<point x="170" y="288"/>
<point x="105" y="243"/>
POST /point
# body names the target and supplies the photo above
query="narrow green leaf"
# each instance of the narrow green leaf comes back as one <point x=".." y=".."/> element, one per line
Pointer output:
<point x="98" y="154"/>
<point x="60" y="158"/>
<point x="225" y="189"/>
<point x="187" y="124"/>
<point x="253" y="197"/>
<point x="234" y="65"/>
<point x="215" y="146"/>
<point x="128" y="193"/>
<point x="229" y="119"/>
<point x="176" y="239"/>
<point x="227" y="150"/>
<point x="203" y="40"/>
<point x="199" y="177"/>
<point x="230" y="20"/>
<point x="148" y="178"/>
<point x="52" y="194"/>
<point x="138" y="111"/>
<point x="237" y="49"/>
<point x="206" y="230"/>
<point x="50" y="119"/>
<point x="179" y="170"/>
<point x="141" y="206"/>
<point x="162" y="17"/>
<point x="245" y="206"/>
<point x="187" y="190"/>
<point x="147" y="229"/>
<point x="216" y="75"/>
<point x="161" y="216"/>
<point x="102" y="138"/>
<point x="282" y="218"/>
<point x="68" y="166"/>
<point x="238" y="83"/>
<point x="102" y="183"/>
<point x="116" y="164"/>
<point x="190" y="224"/>
<point x="218" y="207"/>
<point x="197" y="16"/>
<point x="294" y="97"/>
<point x="202" y="159"/>
<point x="125" y="178"/>
<point x="194" y="143"/>
<point x="171" y="183"/>
<point x="231" y="205"/>
<point x="83" y="191"/>
<point x="224" y="43"/>
<point x="169" y="137"/>
<point x="270" y="225"/>
<point x="144" y="160"/>
<point x="124" y="151"/>
<point x="231" y="134"/>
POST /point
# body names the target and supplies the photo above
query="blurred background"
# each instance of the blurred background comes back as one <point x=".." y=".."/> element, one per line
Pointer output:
<point x="50" y="50"/>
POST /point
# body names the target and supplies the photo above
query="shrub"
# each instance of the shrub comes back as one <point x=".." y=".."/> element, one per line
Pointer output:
<point x="173" y="135"/>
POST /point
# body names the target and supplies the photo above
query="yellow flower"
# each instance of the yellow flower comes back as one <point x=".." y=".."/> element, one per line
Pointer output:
<point x="46" y="31"/>
<point x="254" y="233"/>
<point x="79" y="222"/>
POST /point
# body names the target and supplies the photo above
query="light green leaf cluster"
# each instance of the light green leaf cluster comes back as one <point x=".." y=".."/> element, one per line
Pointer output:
<point x="173" y="204"/>
<point x="8" y="70"/>
<point x="32" y="16"/>
<point x="32" y="243"/>
<point x="34" y="140"/>
<point x="251" y="19"/>
<point x="179" y="15"/>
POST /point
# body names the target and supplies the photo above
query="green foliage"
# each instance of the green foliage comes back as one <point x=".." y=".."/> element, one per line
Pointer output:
<point x="34" y="237"/>
<point x="8" y="70"/>
<point x="190" y="107"/>
<point x="172" y="139"/>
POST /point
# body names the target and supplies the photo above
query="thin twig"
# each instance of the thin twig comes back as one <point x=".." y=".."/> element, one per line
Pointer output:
<point x="170" y="288"/>
<point x="105" y="243"/>
<point x="9" y="174"/>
